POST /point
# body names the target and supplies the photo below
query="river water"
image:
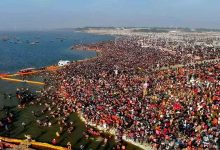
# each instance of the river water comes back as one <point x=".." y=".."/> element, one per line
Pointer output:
<point x="19" y="50"/>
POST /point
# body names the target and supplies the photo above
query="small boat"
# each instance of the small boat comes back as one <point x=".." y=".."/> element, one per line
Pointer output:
<point x="3" y="74"/>
<point x="61" y="39"/>
<point x="26" y="70"/>
<point x="63" y="63"/>
<point x="34" y="43"/>
<point x="5" y="38"/>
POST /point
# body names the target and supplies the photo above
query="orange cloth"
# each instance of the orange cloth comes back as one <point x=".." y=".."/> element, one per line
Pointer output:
<point x="215" y="122"/>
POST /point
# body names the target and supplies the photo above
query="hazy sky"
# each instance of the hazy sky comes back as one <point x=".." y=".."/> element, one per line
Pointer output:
<point x="47" y="14"/>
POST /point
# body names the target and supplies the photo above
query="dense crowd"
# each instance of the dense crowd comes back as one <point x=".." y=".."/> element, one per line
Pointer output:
<point x="24" y="96"/>
<point x="128" y="89"/>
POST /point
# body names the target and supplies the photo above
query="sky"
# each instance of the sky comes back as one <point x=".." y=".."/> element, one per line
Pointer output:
<point x="50" y="14"/>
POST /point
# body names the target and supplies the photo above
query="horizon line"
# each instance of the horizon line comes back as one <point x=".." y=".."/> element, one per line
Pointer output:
<point x="83" y="27"/>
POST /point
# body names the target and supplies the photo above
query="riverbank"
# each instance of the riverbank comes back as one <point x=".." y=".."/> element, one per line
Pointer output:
<point x="48" y="51"/>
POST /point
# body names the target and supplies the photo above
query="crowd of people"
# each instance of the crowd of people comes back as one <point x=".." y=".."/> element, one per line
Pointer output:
<point x="7" y="115"/>
<point x="24" y="96"/>
<point x="128" y="89"/>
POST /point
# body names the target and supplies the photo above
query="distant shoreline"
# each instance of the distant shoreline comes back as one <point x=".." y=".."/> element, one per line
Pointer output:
<point x="146" y="31"/>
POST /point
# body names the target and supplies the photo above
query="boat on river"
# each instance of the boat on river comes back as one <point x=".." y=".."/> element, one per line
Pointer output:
<point x="63" y="63"/>
<point x="26" y="70"/>
<point x="3" y="74"/>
